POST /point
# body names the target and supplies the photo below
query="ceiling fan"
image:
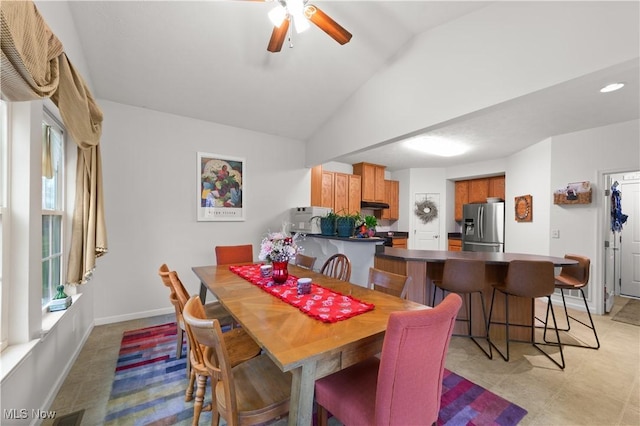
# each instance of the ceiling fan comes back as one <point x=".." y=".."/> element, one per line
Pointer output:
<point x="301" y="12"/>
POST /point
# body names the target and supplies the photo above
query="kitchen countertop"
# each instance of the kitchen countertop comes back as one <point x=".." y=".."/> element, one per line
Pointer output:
<point x="348" y="239"/>
<point x="395" y="235"/>
<point x="454" y="235"/>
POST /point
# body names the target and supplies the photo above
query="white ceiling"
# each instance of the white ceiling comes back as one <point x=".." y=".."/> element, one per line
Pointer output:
<point x="208" y="60"/>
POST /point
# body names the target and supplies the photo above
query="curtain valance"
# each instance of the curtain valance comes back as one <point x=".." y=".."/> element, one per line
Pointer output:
<point x="34" y="66"/>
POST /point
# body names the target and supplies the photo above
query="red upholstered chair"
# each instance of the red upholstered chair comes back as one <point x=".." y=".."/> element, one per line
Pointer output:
<point x="229" y="255"/>
<point x="404" y="385"/>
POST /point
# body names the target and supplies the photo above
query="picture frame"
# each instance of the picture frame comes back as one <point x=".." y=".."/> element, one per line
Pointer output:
<point x="220" y="187"/>
<point x="523" y="208"/>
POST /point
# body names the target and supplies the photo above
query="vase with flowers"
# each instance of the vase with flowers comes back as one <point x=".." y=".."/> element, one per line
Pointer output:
<point x="278" y="248"/>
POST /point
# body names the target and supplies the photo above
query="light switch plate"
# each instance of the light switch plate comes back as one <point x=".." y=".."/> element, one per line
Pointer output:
<point x="555" y="233"/>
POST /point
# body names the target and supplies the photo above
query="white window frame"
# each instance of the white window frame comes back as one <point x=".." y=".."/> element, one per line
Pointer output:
<point x="59" y="212"/>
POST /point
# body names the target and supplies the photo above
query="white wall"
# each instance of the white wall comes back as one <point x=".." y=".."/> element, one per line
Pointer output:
<point x="149" y="173"/>
<point x="528" y="173"/>
<point x="585" y="156"/>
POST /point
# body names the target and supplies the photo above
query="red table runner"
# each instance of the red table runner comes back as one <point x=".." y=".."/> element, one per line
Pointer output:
<point x="322" y="304"/>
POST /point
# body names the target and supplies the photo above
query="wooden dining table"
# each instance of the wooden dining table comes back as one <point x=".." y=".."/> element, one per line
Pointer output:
<point x="296" y="342"/>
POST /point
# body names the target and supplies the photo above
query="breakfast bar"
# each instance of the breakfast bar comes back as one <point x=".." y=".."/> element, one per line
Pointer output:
<point x="426" y="266"/>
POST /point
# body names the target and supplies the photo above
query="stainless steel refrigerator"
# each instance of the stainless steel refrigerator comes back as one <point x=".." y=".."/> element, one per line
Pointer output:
<point x="483" y="227"/>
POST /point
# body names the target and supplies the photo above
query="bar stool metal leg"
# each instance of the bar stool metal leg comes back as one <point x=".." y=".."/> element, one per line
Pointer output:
<point x="569" y="317"/>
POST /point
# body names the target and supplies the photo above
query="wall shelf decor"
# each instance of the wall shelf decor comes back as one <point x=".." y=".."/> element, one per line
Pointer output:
<point x="573" y="193"/>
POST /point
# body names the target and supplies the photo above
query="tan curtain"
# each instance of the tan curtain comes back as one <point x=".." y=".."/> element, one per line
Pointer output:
<point x="37" y="67"/>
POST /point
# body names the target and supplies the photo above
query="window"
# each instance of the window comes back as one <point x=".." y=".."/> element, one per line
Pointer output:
<point x="4" y="176"/>
<point x="52" y="207"/>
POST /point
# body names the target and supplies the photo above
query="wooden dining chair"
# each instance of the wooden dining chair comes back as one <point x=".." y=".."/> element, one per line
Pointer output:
<point x="466" y="277"/>
<point x="252" y="392"/>
<point x="388" y="282"/>
<point x="305" y="261"/>
<point x="163" y="271"/>
<point x="241" y="348"/>
<point x="576" y="277"/>
<point x="337" y="266"/>
<point x="529" y="279"/>
<point x="404" y="385"/>
<point x="229" y="255"/>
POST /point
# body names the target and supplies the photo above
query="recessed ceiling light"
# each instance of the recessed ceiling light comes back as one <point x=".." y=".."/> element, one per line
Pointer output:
<point x="612" y="87"/>
<point x="437" y="146"/>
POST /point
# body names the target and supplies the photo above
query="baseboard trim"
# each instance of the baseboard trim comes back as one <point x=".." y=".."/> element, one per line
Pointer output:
<point x="133" y="316"/>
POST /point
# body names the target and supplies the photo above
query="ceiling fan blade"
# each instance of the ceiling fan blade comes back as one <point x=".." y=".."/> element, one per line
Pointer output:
<point x="326" y="24"/>
<point x="277" y="37"/>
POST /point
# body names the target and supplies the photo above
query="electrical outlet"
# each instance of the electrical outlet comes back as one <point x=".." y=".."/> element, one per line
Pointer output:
<point x="555" y="233"/>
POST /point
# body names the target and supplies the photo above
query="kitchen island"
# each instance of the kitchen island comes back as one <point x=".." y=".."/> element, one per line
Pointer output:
<point x="426" y="266"/>
<point x="360" y="252"/>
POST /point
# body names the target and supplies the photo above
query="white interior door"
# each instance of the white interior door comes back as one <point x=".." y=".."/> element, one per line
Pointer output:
<point x="426" y="236"/>
<point x="630" y="241"/>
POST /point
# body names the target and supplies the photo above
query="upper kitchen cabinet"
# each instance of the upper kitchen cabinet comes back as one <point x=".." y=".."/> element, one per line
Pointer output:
<point x="477" y="191"/>
<point x="338" y="191"/>
<point x="346" y="194"/>
<point x="392" y="191"/>
<point x="373" y="188"/>
<point x="462" y="198"/>
<point x="496" y="186"/>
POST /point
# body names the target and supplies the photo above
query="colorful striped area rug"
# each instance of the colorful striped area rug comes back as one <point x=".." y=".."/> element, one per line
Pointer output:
<point x="149" y="385"/>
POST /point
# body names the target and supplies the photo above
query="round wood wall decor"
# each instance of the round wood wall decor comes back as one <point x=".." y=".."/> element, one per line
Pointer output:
<point x="524" y="208"/>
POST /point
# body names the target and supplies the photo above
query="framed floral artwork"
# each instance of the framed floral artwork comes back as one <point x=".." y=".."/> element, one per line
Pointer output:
<point x="220" y="185"/>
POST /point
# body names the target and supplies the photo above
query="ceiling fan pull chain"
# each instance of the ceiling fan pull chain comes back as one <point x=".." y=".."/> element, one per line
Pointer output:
<point x="290" y="36"/>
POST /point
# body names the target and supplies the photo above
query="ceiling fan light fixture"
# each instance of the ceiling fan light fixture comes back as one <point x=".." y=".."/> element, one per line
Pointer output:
<point x="612" y="87"/>
<point x="433" y="145"/>
<point x="277" y="15"/>
<point x="301" y="23"/>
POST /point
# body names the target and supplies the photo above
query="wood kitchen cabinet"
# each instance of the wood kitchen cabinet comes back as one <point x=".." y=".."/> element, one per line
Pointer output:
<point x="462" y="198"/>
<point x="399" y="243"/>
<point x="455" y="245"/>
<point x="355" y="193"/>
<point x="477" y="191"/>
<point x="392" y="195"/>
<point x="373" y="188"/>
<point x="338" y="191"/>
<point x="496" y="186"/>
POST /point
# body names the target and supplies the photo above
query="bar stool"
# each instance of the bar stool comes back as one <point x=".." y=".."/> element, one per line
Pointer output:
<point x="466" y="277"/>
<point x="530" y="279"/>
<point x="576" y="277"/>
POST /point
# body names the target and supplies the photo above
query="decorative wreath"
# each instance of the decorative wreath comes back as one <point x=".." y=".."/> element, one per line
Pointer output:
<point x="426" y="210"/>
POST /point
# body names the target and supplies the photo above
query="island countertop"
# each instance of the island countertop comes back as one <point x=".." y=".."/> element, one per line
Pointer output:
<point x="347" y="239"/>
<point x="488" y="257"/>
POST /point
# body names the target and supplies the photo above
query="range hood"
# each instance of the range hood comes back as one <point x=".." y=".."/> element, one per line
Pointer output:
<point x="373" y="205"/>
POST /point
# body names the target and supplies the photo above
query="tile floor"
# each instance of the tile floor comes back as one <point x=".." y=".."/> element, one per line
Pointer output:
<point x="598" y="387"/>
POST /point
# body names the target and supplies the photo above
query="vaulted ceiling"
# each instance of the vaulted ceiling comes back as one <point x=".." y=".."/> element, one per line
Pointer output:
<point x="208" y="60"/>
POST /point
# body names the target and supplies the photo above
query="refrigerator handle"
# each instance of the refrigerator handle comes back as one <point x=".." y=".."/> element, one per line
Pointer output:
<point x="481" y="222"/>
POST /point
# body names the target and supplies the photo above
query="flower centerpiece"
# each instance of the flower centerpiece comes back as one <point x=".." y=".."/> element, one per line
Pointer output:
<point x="278" y="248"/>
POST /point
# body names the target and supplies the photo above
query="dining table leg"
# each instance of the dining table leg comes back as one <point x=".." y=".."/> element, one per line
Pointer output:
<point x="302" y="388"/>
<point x="203" y="292"/>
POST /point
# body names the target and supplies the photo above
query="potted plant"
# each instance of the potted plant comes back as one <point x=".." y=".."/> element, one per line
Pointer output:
<point x="327" y="223"/>
<point x="371" y="222"/>
<point x="366" y="227"/>
<point x="346" y="224"/>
